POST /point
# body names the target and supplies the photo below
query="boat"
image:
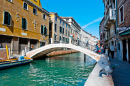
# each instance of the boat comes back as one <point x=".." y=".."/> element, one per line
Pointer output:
<point x="11" y="62"/>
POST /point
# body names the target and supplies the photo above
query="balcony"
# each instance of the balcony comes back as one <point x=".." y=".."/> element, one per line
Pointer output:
<point x="110" y="17"/>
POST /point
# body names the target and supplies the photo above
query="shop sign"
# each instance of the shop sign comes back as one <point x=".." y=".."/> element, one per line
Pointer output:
<point x="3" y="29"/>
<point x="121" y="28"/>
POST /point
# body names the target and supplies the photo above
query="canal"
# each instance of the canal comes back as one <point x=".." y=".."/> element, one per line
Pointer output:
<point x="63" y="70"/>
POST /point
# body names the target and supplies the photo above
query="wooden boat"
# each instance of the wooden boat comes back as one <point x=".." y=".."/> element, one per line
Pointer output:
<point x="13" y="62"/>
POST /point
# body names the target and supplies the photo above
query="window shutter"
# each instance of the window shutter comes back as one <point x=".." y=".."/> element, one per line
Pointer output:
<point x="23" y="23"/>
<point x="9" y="19"/>
<point x="4" y="17"/>
<point x="46" y="31"/>
<point x="42" y="29"/>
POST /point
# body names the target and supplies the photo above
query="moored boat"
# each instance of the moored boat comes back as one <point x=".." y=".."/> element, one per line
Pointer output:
<point x="13" y="62"/>
<point x="9" y="62"/>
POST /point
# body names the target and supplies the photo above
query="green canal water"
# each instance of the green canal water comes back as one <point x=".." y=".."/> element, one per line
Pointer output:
<point x="63" y="70"/>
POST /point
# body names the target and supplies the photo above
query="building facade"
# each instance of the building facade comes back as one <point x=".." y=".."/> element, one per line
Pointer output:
<point x="59" y="28"/>
<point x="123" y="29"/>
<point x="120" y="36"/>
<point x="85" y="37"/>
<point x="75" y="29"/>
<point x="23" y="24"/>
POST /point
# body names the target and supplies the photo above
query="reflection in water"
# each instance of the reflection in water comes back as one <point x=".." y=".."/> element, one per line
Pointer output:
<point x="64" y="70"/>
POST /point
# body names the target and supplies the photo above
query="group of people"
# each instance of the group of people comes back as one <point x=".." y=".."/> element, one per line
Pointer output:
<point x="101" y="50"/>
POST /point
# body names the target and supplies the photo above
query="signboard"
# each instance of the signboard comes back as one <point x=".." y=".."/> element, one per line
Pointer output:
<point x="121" y="28"/>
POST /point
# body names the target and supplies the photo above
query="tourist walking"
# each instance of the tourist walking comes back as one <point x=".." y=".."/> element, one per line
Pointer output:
<point x="112" y="50"/>
<point x="1" y="46"/>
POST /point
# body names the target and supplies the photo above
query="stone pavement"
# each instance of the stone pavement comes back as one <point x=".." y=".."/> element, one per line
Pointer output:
<point x="121" y="75"/>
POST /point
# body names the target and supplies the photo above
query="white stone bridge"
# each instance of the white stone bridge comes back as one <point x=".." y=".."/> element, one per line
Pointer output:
<point x="52" y="47"/>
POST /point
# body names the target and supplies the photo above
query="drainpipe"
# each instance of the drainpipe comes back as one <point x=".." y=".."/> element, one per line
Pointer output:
<point x="116" y="27"/>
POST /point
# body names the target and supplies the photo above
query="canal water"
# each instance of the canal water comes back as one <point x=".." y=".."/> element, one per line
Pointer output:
<point x="63" y="70"/>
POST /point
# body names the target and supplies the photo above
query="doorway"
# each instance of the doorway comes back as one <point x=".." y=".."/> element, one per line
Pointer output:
<point x="124" y="51"/>
<point x="129" y="49"/>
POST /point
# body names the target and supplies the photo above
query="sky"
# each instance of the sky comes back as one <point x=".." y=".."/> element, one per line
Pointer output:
<point x="87" y="13"/>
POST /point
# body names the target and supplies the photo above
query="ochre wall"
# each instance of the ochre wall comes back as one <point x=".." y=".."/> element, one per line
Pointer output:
<point x="16" y="7"/>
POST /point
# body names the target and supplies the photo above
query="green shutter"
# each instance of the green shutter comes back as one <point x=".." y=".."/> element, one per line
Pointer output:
<point x="23" y="23"/>
<point x="9" y="18"/>
<point x="43" y="30"/>
<point x="4" y="17"/>
<point x="46" y="31"/>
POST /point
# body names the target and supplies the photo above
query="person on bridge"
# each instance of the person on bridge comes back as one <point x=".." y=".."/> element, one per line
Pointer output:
<point x="102" y="49"/>
<point x="1" y="46"/>
<point x="97" y="48"/>
<point x="31" y="47"/>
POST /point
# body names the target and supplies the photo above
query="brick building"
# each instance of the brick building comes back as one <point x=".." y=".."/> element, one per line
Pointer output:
<point x="124" y="29"/>
<point x="122" y="43"/>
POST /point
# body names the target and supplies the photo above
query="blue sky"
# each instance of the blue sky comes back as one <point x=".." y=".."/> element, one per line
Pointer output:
<point x="88" y="13"/>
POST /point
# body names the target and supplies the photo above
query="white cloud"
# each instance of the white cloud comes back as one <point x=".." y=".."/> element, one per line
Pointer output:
<point x="94" y="21"/>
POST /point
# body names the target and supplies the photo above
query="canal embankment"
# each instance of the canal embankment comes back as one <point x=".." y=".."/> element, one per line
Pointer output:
<point x="95" y="80"/>
<point x="61" y="52"/>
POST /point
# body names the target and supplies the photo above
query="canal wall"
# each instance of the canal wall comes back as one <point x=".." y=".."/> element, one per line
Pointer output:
<point x="61" y="52"/>
<point x="95" y="80"/>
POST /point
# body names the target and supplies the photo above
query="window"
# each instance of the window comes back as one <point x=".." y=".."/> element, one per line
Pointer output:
<point x="63" y="30"/>
<point x="67" y="20"/>
<point x="60" y="38"/>
<point x="118" y="46"/>
<point x="34" y="11"/>
<point x="24" y="23"/>
<point x="56" y="18"/>
<point x="66" y="40"/>
<point x="54" y="37"/>
<point x="60" y="29"/>
<point x="66" y="25"/>
<point x="63" y="39"/>
<point x="44" y="16"/>
<point x="43" y="30"/>
<point x="9" y="0"/>
<point x="25" y="6"/>
<point x="55" y="27"/>
<point x="66" y="32"/>
<point x="60" y="20"/>
<point x="121" y="14"/>
<point x="7" y="18"/>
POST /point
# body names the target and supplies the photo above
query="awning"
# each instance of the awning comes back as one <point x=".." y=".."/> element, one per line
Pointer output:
<point x="125" y="32"/>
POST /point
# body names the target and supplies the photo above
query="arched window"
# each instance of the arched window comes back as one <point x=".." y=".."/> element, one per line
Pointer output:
<point x="43" y="30"/>
<point x="24" y="23"/>
<point x="7" y="18"/>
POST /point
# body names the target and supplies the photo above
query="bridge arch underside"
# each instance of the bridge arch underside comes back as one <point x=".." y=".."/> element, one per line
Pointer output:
<point x="53" y="47"/>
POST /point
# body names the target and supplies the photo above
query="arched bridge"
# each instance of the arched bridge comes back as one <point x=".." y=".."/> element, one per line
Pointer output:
<point x="52" y="47"/>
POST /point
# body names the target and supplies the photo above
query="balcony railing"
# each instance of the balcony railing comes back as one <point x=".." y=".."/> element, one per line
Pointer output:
<point x="111" y="16"/>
